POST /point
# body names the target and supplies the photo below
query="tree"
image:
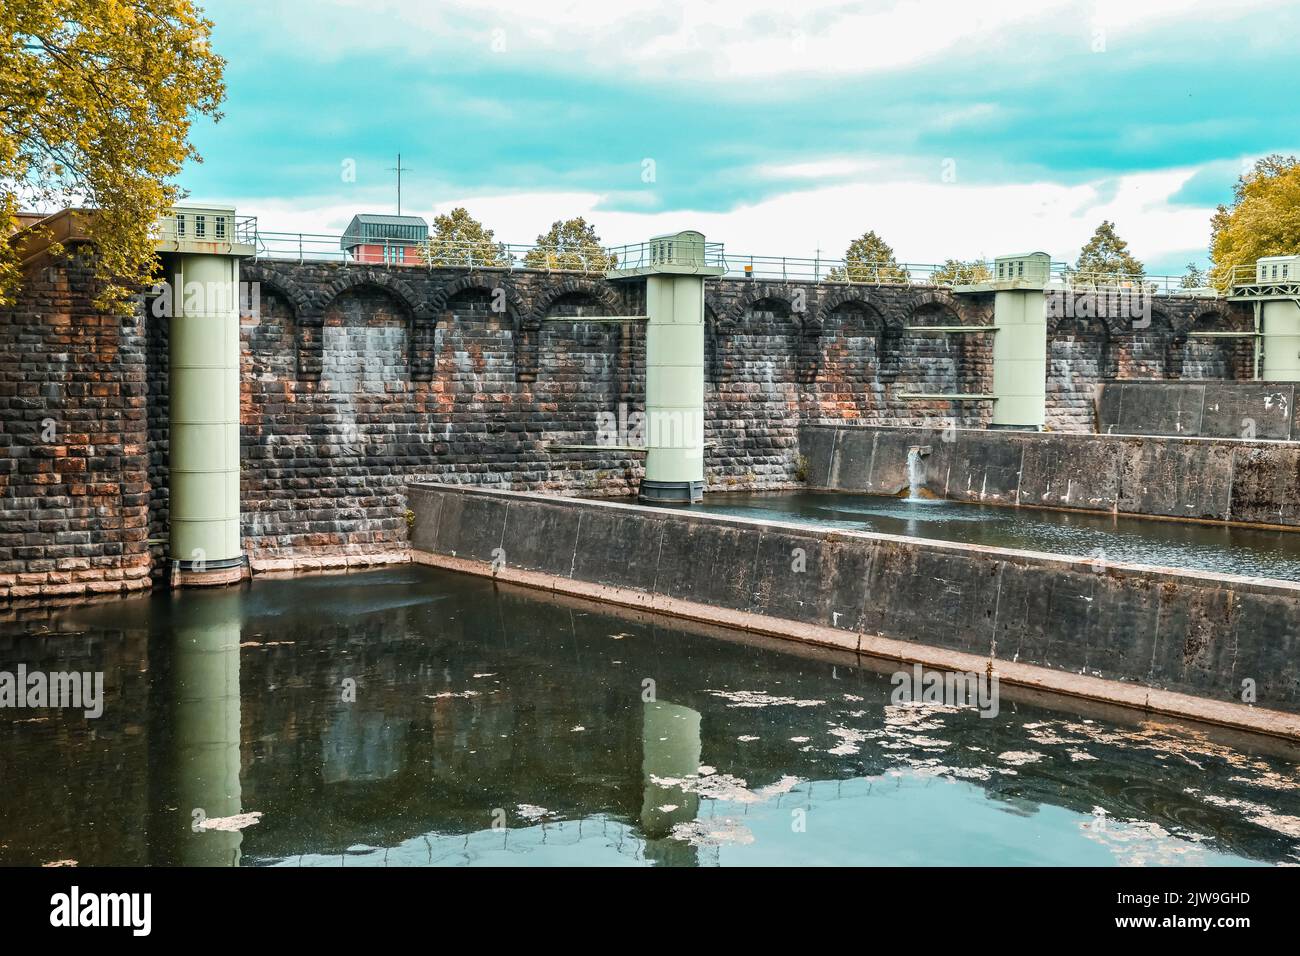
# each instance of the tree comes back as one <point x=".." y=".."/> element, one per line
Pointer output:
<point x="571" y="244"/>
<point x="460" y="240"/>
<point x="1194" y="278"/>
<point x="869" y="259"/>
<point x="1106" y="255"/>
<point x="1263" y="220"/>
<point x="96" y="101"/>
<point x="956" y="272"/>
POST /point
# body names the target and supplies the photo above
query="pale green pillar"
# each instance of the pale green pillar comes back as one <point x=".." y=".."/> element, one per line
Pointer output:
<point x="674" y="268"/>
<point x="1281" y="319"/>
<point x="674" y="387"/>
<point x="204" y="371"/>
<point x="1020" y="358"/>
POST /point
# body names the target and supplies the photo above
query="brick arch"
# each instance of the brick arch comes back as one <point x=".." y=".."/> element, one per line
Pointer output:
<point x="928" y="301"/>
<point x="282" y="285"/>
<point x="399" y="289"/>
<point x="574" y="286"/>
<point x="839" y="297"/>
<point x="751" y="297"/>
<point x="514" y="302"/>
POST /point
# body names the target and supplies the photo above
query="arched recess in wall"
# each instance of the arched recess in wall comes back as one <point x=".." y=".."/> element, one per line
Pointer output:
<point x="577" y="358"/>
<point x="270" y="333"/>
<point x="712" y="357"/>
<point x="938" y="357"/>
<point x="472" y="328"/>
<point x="762" y="341"/>
<point x="365" y="340"/>
<point x="851" y="342"/>
<point x="263" y="281"/>
<point x="1080" y="355"/>
<point x="1213" y="357"/>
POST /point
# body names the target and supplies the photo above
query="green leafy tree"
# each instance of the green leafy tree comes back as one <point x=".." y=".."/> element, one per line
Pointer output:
<point x="1195" y="277"/>
<point x="1263" y="219"/>
<point x="956" y="272"/>
<point x="570" y="244"/>
<point x="460" y="240"/>
<point x="96" y="101"/>
<point x="869" y="259"/>
<point x="1106" y="255"/>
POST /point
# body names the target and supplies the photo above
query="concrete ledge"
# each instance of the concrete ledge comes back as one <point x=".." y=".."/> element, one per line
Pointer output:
<point x="1206" y="480"/>
<point x="1166" y="641"/>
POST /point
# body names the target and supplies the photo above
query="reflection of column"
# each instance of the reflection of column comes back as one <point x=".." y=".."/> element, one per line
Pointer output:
<point x="205" y="728"/>
<point x="670" y="748"/>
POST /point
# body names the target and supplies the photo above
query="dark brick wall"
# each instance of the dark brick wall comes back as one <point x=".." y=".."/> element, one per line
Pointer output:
<point x="74" y="493"/>
<point x="359" y="379"/>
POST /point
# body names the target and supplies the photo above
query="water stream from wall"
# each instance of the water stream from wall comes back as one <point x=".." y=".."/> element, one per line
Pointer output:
<point x="915" y="475"/>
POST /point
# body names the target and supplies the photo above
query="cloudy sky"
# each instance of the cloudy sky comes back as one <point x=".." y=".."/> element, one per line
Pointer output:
<point x="954" y="129"/>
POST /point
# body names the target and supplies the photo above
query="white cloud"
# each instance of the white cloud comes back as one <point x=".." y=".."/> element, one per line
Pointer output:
<point x="683" y="40"/>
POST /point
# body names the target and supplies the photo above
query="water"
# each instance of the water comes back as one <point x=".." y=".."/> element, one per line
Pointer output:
<point x="475" y="705"/>
<point x="915" y="474"/>
<point x="1249" y="551"/>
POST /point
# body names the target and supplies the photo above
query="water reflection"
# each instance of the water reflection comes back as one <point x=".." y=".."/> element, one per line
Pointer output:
<point x="504" y="727"/>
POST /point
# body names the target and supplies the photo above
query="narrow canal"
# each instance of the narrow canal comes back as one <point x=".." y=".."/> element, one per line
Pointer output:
<point x="413" y="716"/>
<point x="1171" y="544"/>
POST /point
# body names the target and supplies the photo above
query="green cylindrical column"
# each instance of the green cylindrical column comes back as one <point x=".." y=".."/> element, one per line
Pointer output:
<point x="674" y="428"/>
<point x="1281" y="340"/>
<point x="204" y="504"/>
<point x="1020" y="358"/>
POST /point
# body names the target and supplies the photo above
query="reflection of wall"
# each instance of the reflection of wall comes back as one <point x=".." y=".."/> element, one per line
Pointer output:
<point x="358" y="746"/>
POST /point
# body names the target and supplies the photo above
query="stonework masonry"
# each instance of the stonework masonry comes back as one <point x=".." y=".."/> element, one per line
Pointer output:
<point x="358" y="380"/>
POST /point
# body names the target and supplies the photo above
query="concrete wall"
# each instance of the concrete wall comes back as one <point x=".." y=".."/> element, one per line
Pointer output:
<point x="1194" y="478"/>
<point x="1264" y="410"/>
<point x="1168" y="631"/>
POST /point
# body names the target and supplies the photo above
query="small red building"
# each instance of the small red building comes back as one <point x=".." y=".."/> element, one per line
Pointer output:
<point x="385" y="240"/>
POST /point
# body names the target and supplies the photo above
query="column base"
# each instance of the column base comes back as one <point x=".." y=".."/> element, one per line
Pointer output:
<point x="195" y="574"/>
<point x="671" y="492"/>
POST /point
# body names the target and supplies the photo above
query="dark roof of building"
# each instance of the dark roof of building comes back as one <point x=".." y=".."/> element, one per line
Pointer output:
<point x="373" y="227"/>
<point x="375" y="219"/>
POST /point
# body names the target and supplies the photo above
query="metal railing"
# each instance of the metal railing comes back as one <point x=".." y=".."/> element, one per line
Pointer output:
<point x="1270" y="274"/>
<point x="405" y="253"/>
<point x="205" y="225"/>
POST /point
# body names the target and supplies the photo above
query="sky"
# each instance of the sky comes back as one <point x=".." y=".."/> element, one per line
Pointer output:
<point x="778" y="127"/>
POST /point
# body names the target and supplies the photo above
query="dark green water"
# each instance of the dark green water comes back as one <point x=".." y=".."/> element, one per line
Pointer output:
<point x="476" y="706"/>
<point x="1249" y="551"/>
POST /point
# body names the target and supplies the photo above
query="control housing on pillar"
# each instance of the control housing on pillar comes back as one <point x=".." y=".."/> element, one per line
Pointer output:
<point x="674" y="267"/>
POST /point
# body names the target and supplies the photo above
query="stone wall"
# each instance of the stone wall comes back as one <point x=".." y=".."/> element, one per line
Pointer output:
<point x="358" y="380"/>
<point x="74" y="492"/>
<point x="1200" y="479"/>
